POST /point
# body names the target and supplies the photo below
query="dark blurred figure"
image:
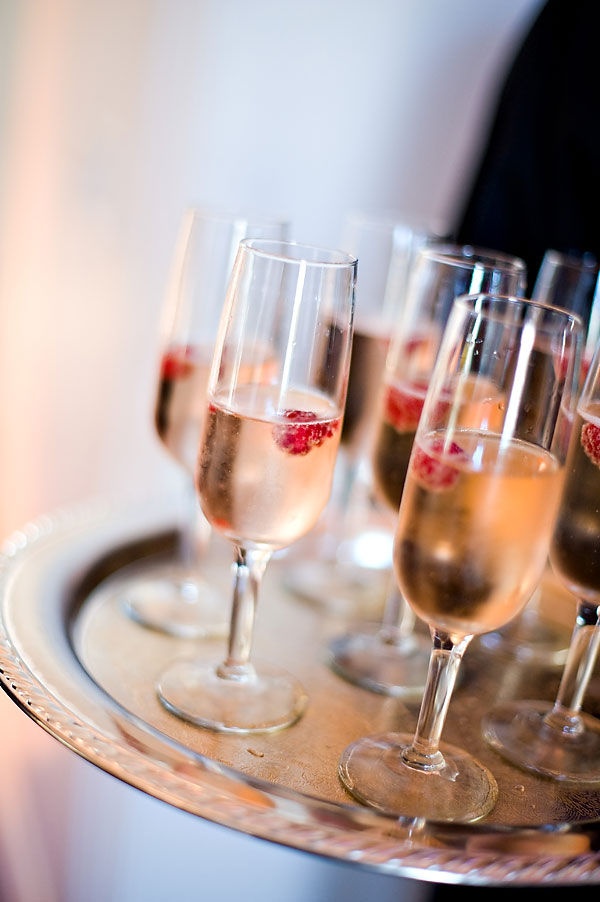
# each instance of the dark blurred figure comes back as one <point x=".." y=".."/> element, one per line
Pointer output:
<point x="538" y="184"/>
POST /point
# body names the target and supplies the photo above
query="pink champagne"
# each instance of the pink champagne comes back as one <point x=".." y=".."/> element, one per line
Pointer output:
<point x="575" y="551"/>
<point x="369" y="350"/>
<point x="401" y="408"/>
<point x="181" y="400"/>
<point x="266" y="463"/>
<point x="472" y="538"/>
<point x="400" y="404"/>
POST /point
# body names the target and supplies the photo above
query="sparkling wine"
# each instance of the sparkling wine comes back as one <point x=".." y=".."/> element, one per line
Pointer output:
<point x="266" y="464"/>
<point x="575" y="549"/>
<point x="474" y="526"/>
<point x="369" y="349"/>
<point x="402" y="404"/>
<point x="181" y="400"/>
<point x="401" y="408"/>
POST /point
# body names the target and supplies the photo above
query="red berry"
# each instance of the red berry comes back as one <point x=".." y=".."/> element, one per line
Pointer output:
<point x="432" y="472"/>
<point x="590" y="442"/>
<point x="585" y="368"/>
<point x="402" y="409"/>
<point x="413" y="344"/>
<point x="177" y="362"/>
<point x="304" y="432"/>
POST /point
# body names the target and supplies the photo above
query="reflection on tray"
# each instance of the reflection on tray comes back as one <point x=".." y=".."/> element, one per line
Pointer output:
<point x="88" y="674"/>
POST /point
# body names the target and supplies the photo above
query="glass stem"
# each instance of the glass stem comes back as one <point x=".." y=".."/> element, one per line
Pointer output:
<point x="341" y="510"/>
<point x="348" y="486"/>
<point x="248" y="569"/>
<point x="398" y="621"/>
<point x="423" y="753"/>
<point x="531" y="612"/>
<point x="194" y="533"/>
<point x="578" y="669"/>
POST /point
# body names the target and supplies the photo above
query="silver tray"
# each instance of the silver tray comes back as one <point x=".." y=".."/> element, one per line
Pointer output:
<point x="83" y="671"/>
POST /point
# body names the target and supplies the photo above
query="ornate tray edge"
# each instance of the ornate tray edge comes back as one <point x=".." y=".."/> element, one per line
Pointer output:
<point x="148" y="761"/>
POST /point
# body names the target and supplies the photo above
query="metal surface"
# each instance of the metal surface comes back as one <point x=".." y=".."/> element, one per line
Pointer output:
<point x="72" y="660"/>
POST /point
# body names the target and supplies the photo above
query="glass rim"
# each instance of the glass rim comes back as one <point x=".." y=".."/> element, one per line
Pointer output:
<point x="469" y="301"/>
<point x="585" y="262"/>
<point x="385" y="220"/>
<point x="465" y="254"/>
<point x="234" y="215"/>
<point x="307" y="254"/>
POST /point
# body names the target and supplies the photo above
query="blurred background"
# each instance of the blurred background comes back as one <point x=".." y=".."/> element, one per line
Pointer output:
<point x="115" y="115"/>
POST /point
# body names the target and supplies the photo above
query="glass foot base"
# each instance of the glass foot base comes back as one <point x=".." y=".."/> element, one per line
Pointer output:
<point x="372" y="769"/>
<point x="520" y="734"/>
<point x="175" y="604"/>
<point x="531" y="641"/>
<point x="534" y="638"/>
<point x="268" y="700"/>
<point x="348" y="589"/>
<point x="390" y="668"/>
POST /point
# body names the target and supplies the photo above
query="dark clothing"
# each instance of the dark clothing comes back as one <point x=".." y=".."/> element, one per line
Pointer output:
<point x="538" y="185"/>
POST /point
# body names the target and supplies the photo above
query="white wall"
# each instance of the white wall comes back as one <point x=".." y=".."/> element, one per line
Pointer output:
<point x="114" y="115"/>
<point x="117" y="113"/>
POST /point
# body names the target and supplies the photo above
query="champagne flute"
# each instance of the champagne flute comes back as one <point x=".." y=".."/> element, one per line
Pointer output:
<point x="275" y="405"/>
<point x="474" y="527"/>
<point x="391" y="657"/>
<point x="344" y="564"/>
<point x="174" y="598"/>
<point x="571" y="281"/>
<point x="558" y="739"/>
